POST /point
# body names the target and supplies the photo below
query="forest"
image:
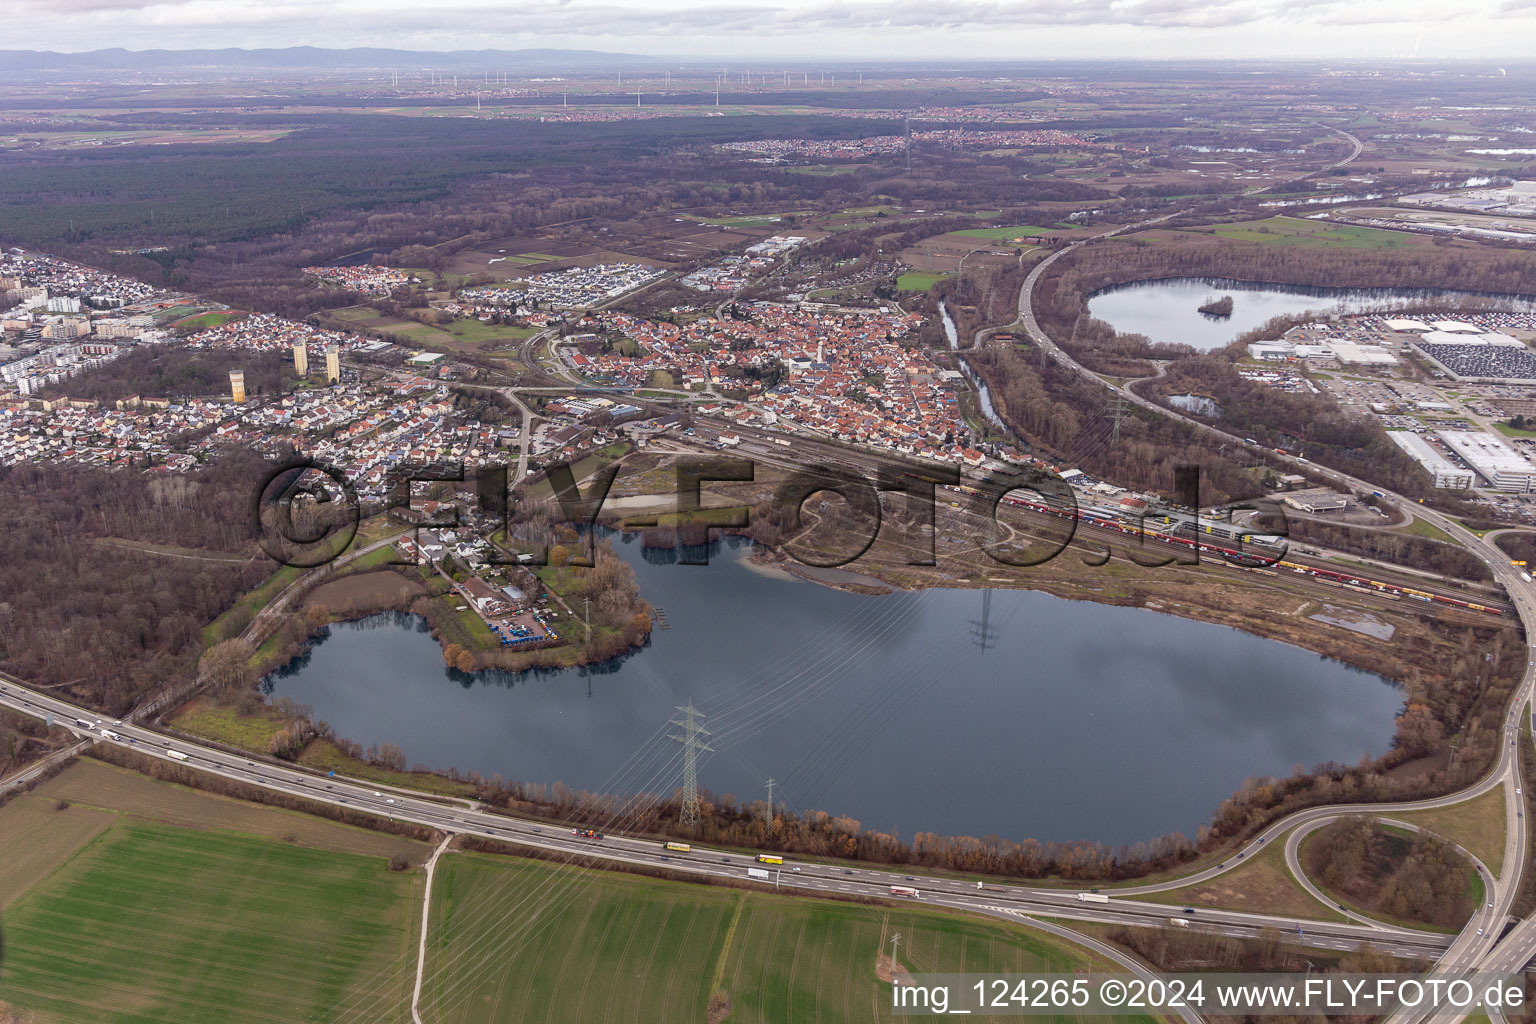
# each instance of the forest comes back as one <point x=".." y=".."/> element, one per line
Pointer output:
<point x="1411" y="876"/>
<point x="1070" y="420"/>
<point x="176" y="371"/>
<point x="98" y="594"/>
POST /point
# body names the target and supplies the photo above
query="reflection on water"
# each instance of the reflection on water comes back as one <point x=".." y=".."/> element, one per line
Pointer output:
<point x="925" y="711"/>
<point x="1168" y="310"/>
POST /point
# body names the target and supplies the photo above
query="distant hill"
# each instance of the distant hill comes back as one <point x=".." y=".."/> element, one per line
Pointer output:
<point x="311" y="57"/>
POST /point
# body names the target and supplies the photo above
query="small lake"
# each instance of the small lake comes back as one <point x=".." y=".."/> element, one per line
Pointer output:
<point x="940" y="710"/>
<point x="1167" y="310"/>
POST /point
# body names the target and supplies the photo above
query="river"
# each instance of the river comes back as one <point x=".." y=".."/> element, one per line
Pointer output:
<point x="936" y="710"/>
<point x="983" y="394"/>
<point x="1167" y="310"/>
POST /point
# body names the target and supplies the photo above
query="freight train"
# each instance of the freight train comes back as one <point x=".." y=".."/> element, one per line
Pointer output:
<point x="1208" y="535"/>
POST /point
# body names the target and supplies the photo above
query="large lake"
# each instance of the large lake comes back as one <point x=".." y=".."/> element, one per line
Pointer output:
<point x="1072" y="721"/>
<point x="1167" y="310"/>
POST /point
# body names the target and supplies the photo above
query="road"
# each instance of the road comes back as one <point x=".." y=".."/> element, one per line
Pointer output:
<point x="1009" y="901"/>
<point x="1293" y="861"/>
<point x="1475" y="946"/>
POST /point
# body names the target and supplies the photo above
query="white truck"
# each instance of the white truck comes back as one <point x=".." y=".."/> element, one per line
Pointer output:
<point x="1178" y="922"/>
<point x="1092" y="897"/>
<point x="756" y="873"/>
<point x="176" y="755"/>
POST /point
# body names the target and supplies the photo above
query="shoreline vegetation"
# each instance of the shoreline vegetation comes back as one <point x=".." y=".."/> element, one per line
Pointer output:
<point x="1413" y="768"/>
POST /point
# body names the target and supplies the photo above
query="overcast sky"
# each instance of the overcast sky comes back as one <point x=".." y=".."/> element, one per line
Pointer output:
<point x="810" y="29"/>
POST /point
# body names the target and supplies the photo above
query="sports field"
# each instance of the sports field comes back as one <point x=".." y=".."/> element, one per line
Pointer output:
<point x="516" y="940"/>
<point x="205" y="320"/>
<point x="918" y="281"/>
<point x="158" y="924"/>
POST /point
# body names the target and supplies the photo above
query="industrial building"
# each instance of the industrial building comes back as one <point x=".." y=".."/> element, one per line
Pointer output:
<point x="1445" y="474"/>
<point x="1491" y="357"/>
<point x="1504" y="468"/>
<point x="1316" y="500"/>
<point x="1275" y="350"/>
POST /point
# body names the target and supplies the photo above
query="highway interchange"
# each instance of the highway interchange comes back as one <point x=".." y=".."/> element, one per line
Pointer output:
<point x="1481" y="945"/>
<point x="1486" y="943"/>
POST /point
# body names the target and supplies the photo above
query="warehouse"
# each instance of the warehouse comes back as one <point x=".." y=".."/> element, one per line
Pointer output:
<point x="1362" y="355"/>
<point x="1504" y="468"/>
<point x="1445" y="474"/>
<point x="1496" y="358"/>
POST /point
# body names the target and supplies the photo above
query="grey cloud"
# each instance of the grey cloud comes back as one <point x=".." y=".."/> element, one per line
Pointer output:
<point x="577" y="18"/>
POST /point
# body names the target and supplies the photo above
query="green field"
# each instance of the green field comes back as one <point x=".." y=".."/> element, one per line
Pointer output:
<point x="1284" y="230"/>
<point x="475" y="332"/>
<point x="1004" y="233"/>
<point x="158" y="903"/>
<point x="515" y="940"/>
<point x="207" y="320"/>
<point x="459" y="334"/>
<point x="918" y="281"/>
<point x="154" y="924"/>
<point x="1478" y="825"/>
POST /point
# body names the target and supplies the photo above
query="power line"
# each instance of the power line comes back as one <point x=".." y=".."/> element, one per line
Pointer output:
<point x="692" y="745"/>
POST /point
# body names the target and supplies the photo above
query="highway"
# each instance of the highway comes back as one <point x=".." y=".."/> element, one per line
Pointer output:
<point x="1009" y="901"/>
<point x="1475" y="946"/>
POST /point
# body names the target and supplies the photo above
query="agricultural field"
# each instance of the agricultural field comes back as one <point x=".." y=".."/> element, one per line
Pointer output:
<point x="95" y="785"/>
<point x="515" y="940"/>
<point x="1284" y="230"/>
<point x="92" y="137"/>
<point x="36" y="836"/>
<point x="139" y="921"/>
<point x="1004" y="234"/>
<point x="755" y="220"/>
